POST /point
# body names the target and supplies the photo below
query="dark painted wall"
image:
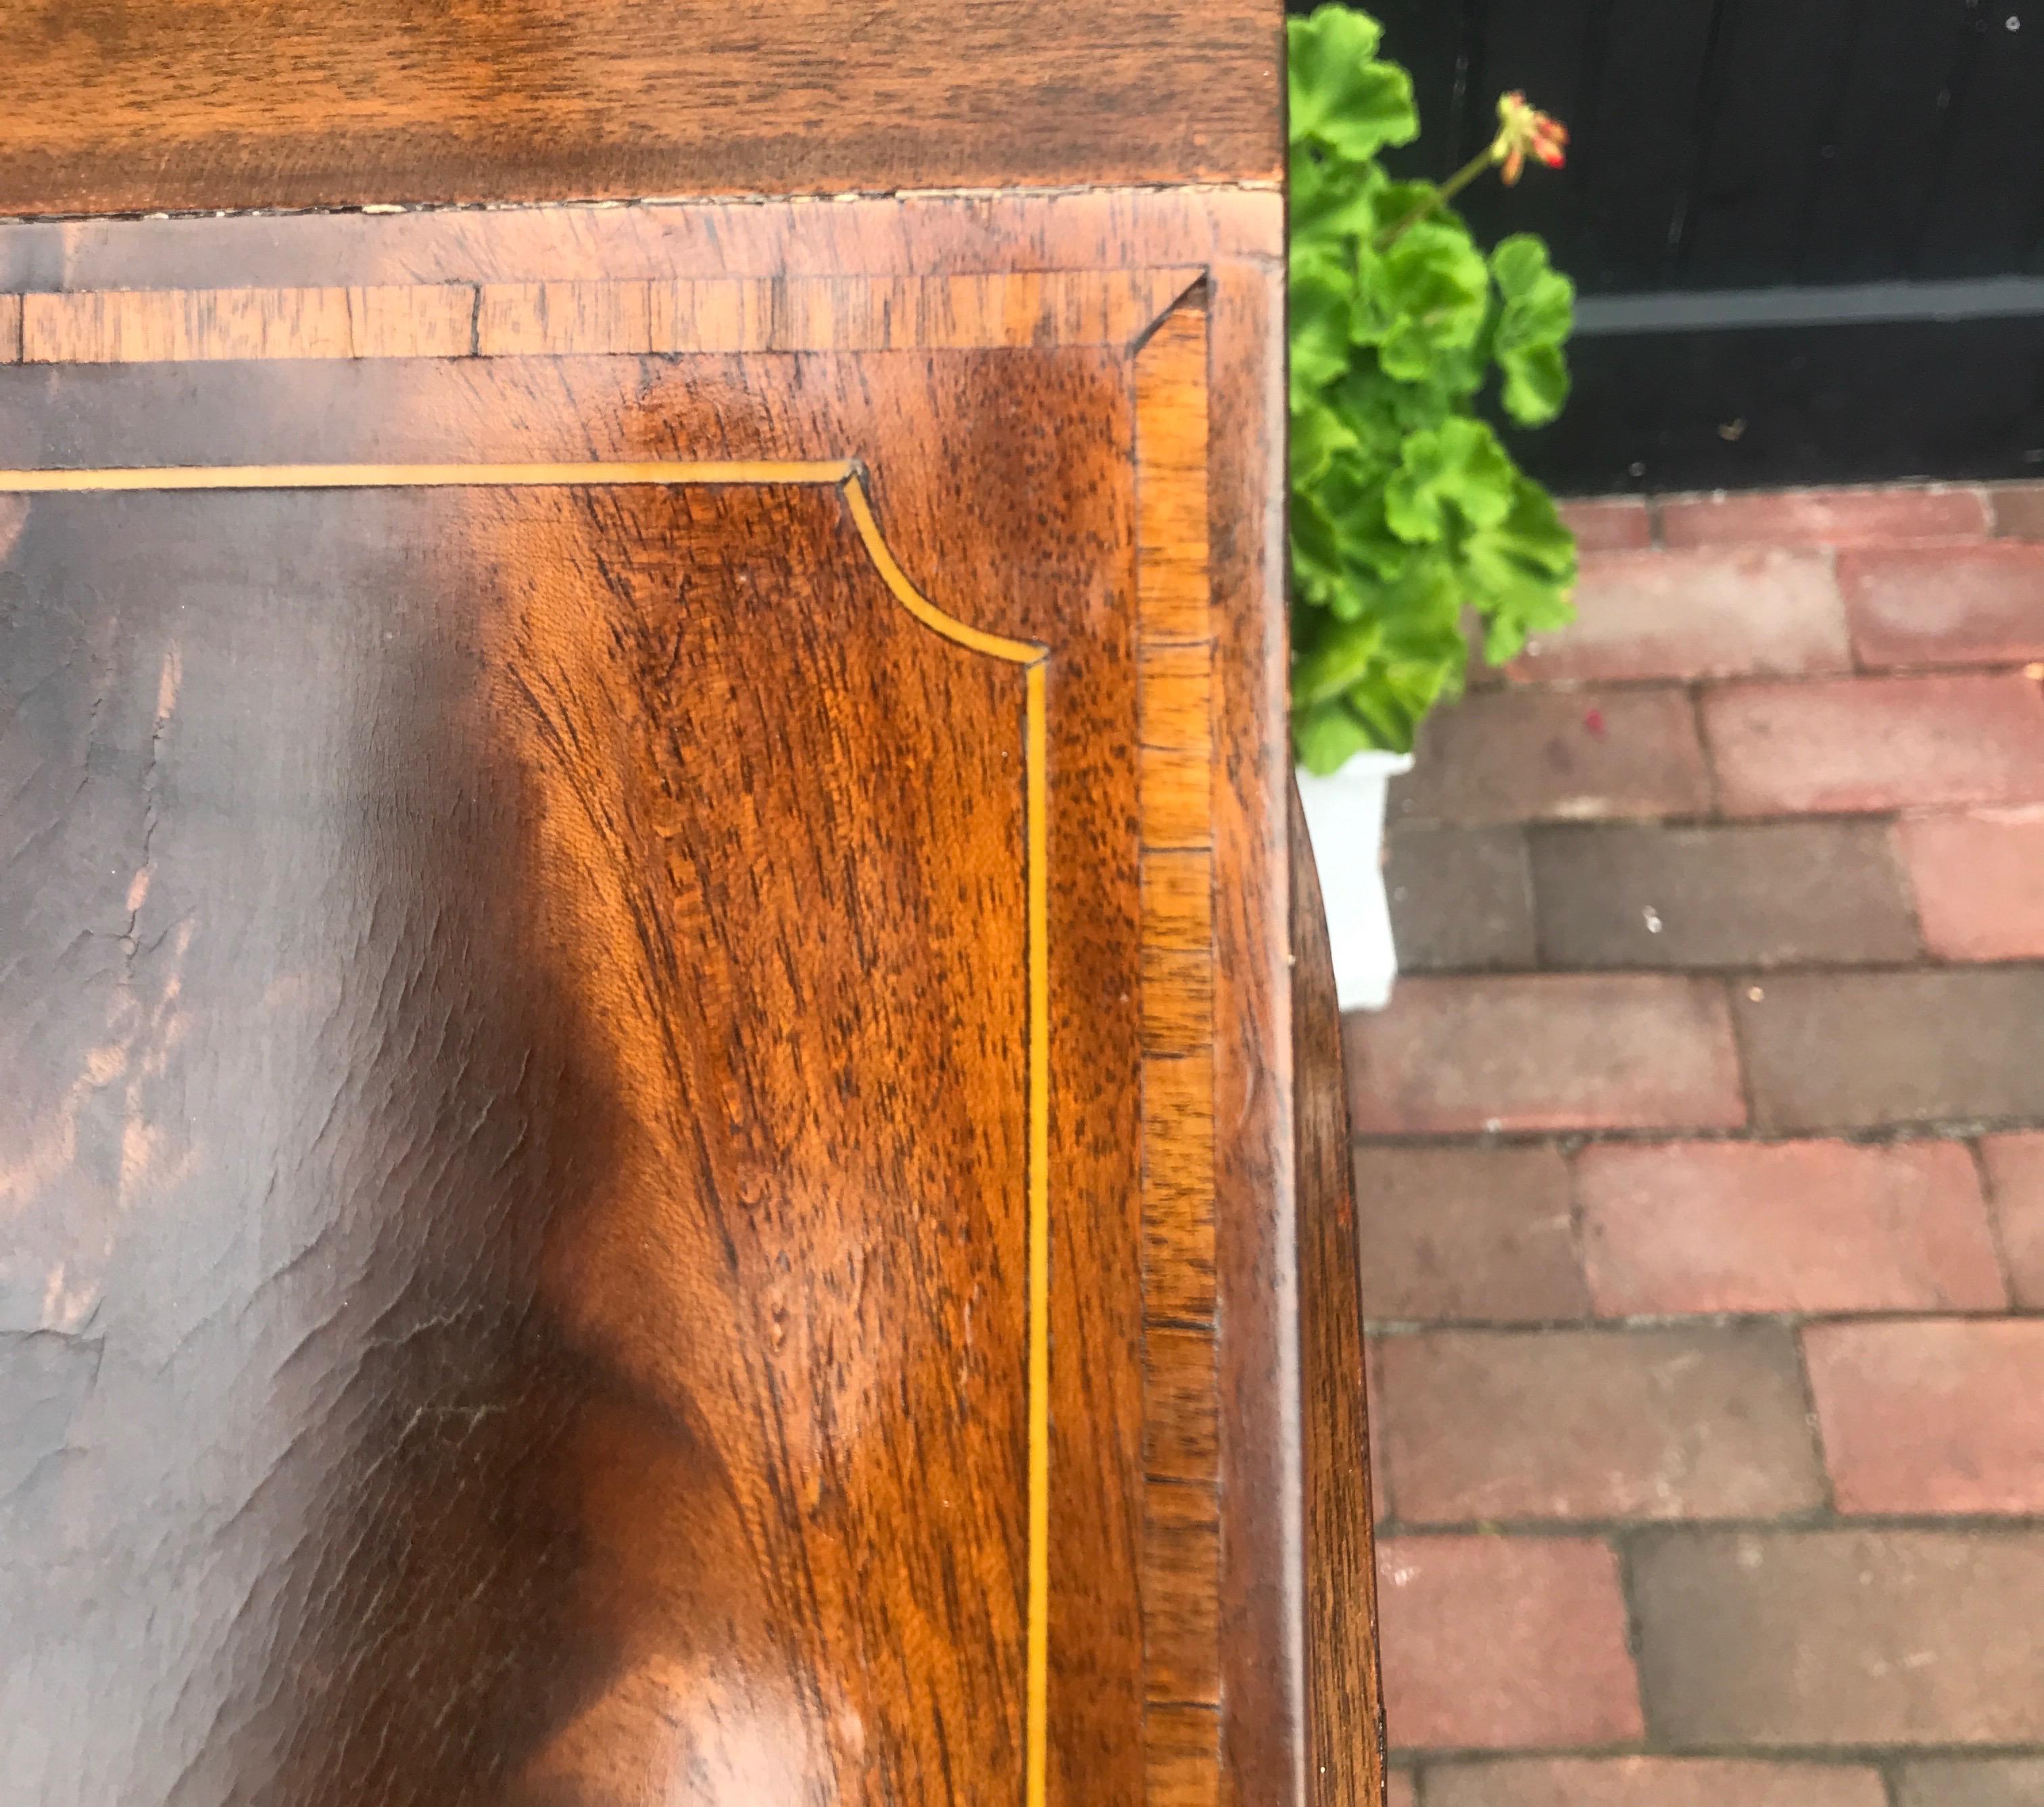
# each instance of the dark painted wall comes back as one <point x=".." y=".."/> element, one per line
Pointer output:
<point x="1803" y="145"/>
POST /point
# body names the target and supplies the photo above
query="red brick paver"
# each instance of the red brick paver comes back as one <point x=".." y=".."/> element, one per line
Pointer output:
<point x="1484" y="1234"/>
<point x="1792" y="1227"/>
<point x="1716" y="614"/>
<point x="1651" y="895"/>
<point x="1981" y="604"/>
<point x="2018" y="510"/>
<point x="1822" y="517"/>
<point x="1939" y="1416"/>
<point x="1701" y="1176"/>
<point x="1652" y="1782"/>
<point x="1383" y="1506"/>
<point x="1612" y="524"/>
<point x="1787" y="1639"/>
<point x="1876" y="743"/>
<point x="1463" y="898"/>
<point x="1557" y="756"/>
<point x="1866" y="1051"/>
<point x="2015" y="1185"/>
<point x="1979" y="880"/>
<point x="1971" y="1782"/>
<point x="1545" y="1053"/>
<point x="1493" y="1642"/>
<point x="1702" y="1422"/>
<point x="1399" y="1789"/>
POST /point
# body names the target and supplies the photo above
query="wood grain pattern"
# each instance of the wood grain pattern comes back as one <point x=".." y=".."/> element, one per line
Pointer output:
<point x="849" y="313"/>
<point x="1180" y="1426"/>
<point x="558" y="318"/>
<point x="1177" y="898"/>
<point x="846" y="313"/>
<point x="1181" y="1752"/>
<point x="1177" y="700"/>
<point x="630" y="837"/>
<point x="572" y="684"/>
<point x="166" y="105"/>
<point x="796" y="1163"/>
<point x="1177" y="1000"/>
<point x="1180" y="1606"/>
<point x="1093" y="228"/>
<point x="171" y="326"/>
<point x="497" y="805"/>
<point x="1256" y="1252"/>
<point x="1345" y="1706"/>
<point x="1182" y="1518"/>
<point x="846" y="480"/>
<point x="1177" y="783"/>
<point x="1173" y="584"/>
<point x="1178" y="1283"/>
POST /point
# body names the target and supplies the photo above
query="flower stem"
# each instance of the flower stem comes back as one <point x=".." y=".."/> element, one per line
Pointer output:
<point x="1441" y="196"/>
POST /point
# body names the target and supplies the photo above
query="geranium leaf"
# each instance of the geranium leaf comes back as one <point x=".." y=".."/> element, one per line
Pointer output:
<point x="1342" y="97"/>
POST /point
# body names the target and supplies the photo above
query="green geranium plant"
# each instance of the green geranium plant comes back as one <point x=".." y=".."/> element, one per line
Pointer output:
<point x="1407" y="510"/>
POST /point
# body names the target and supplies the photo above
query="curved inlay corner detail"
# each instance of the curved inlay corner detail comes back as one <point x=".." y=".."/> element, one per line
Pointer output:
<point x="848" y="477"/>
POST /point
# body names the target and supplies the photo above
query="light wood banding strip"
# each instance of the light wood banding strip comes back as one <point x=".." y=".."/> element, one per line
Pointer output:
<point x="1181" y="1438"/>
<point x="152" y="326"/>
<point x="1181" y="1462"/>
<point x="527" y="320"/>
<point x="1172" y="584"/>
<point x="1181" y="1594"/>
<point x="637" y="317"/>
<point x="1176" y="798"/>
<point x="1178" y="702"/>
<point x="1181" y="1756"/>
<point x="1178" y="1189"/>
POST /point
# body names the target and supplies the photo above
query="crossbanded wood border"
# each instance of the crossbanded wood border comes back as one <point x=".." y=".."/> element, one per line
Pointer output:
<point x="1180" y="1455"/>
<point x="575" y="319"/>
<point x="1161" y="314"/>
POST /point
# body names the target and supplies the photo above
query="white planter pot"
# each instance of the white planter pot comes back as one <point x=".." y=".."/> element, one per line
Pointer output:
<point x="1345" y="819"/>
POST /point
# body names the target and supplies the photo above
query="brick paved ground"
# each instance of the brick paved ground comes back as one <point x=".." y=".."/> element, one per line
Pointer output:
<point x="1702" y="1174"/>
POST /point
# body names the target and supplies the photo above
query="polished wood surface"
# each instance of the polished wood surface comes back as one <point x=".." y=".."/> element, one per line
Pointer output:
<point x="1345" y="1708"/>
<point x="986" y="235"/>
<point x="189" y="104"/>
<point x="646" y="998"/>
<point x="792" y="1423"/>
<point x="1263" y="1633"/>
<point x="498" y="320"/>
<point x="1174" y="760"/>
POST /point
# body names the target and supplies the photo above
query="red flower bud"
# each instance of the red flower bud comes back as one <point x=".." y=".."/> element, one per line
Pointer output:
<point x="1524" y="131"/>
